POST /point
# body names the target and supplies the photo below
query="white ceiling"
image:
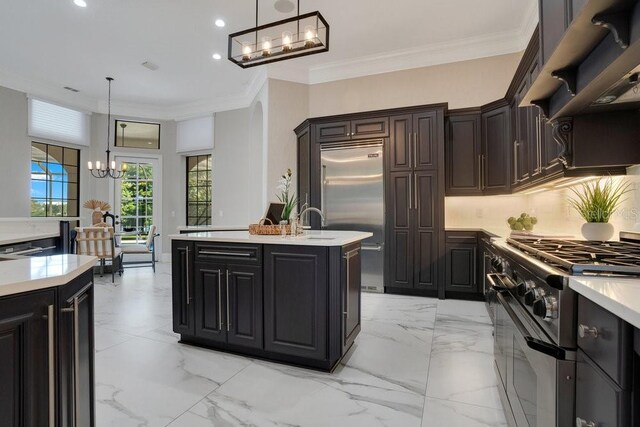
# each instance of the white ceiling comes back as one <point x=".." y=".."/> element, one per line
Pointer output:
<point x="46" y="45"/>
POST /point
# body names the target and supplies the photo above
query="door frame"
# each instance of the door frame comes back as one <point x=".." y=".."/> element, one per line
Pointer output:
<point x="157" y="187"/>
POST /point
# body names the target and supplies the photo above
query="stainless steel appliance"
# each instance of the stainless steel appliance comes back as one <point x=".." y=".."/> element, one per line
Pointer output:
<point x="535" y="320"/>
<point x="352" y="198"/>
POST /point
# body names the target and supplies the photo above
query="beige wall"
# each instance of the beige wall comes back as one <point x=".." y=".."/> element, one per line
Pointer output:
<point x="461" y="84"/>
<point x="288" y="107"/>
<point x="555" y="215"/>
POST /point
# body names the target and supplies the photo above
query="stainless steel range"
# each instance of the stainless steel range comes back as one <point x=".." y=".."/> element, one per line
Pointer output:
<point x="534" y="313"/>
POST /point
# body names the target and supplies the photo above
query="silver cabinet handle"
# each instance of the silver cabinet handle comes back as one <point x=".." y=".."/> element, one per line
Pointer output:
<point x="415" y="190"/>
<point x="52" y="364"/>
<point x="376" y="248"/>
<point x="483" y="168"/>
<point x="586" y="331"/>
<point x="480" y="171"/>
<point x="410" y="192"/>
<point x="187" y="265"/>
<point x="415" y="150"/>
<point x="475" y="255"/>
<point x="410" y="148"/>
<point x="220" y="300"/>
<point x="221" y="253"/>
<point x="228" y="308"/>
<point x="347" y="256"/>
<point x="515" y="162"/>
<point x="584" y="423"/>
<point x="351" y="254"/>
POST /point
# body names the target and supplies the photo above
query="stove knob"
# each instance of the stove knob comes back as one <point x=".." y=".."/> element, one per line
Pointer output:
<point x="529" y="297"/>
<point x="546" y="307"/>
<point x="523" y="287"/>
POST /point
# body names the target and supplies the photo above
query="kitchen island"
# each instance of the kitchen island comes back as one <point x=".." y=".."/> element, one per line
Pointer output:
<point x="47" y="345"/>
<point x="294" y="300"/>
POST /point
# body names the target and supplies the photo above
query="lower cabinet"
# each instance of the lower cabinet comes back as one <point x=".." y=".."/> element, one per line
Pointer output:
<point x="462" y="259"/>
<point x="46" y="356"/>
<point x="296" y="304"/>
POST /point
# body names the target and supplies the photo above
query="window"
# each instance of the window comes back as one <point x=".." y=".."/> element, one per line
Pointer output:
<point x="136" y="196"/>
<point x="137" y="135"/>
<point x="199" y="190"/>
<point x="54" y="180"/>
<point x="51" y="121"/>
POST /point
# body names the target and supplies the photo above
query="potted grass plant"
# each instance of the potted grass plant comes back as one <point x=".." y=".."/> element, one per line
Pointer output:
<point x="286" y="196"/>
<point x="596" y="202"/>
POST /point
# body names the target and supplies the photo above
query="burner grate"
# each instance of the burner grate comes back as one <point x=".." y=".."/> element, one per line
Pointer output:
<point x="584" y="257"/>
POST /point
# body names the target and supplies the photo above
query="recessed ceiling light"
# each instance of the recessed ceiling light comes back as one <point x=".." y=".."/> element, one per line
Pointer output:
<point x="219" y="22"/>
<point x="80" y="3"/>
<point x="217" y="56"/>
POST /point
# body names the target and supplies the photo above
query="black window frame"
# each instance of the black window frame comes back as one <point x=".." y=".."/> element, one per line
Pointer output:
<point x="48" y="197"/>
<point x="199" y="203"/>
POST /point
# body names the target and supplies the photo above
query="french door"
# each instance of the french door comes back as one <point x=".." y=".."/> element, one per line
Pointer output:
<point x="137" y="197"/>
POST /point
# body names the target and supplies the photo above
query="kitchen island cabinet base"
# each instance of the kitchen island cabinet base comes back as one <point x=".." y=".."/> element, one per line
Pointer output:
<point x="290" y="303"/>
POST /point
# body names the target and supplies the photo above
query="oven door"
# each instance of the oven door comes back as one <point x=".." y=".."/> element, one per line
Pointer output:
<point x="540" y="381"/>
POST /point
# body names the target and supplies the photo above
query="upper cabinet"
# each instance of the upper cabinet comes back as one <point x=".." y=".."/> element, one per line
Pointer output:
<point x="496" y="132"/>
<point x="413" y="141"/>
<point x="352" y="129"/>
<point x="463" y="154"/>
<point x="553" y="23"/>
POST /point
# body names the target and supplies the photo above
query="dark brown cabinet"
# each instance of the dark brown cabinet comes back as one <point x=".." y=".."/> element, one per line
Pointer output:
<point x="47" y="356"/>
<point x="27" y="353"/>
<point x="292" y="303"/>
<point x="554" y="20"/>
<point x="296" y="329"/>
<point x="463" y="155"/>
<point x="414" y="141"/>
<point x="182" y="289"/>
<point x="218" y="293"/>
<point x="495" y="176"/>
<point x="461" y="265"/>
<point x="352" y="129"/>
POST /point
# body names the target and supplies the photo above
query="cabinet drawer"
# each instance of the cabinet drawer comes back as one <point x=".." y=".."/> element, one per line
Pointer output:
<point x="244" y="254"/>
<point x="370" y="128"/>
<point x="332" y="132"/>
<point x="461" y="237"/>
<point x="598" y="399"/>
<point x="606" y="339"/>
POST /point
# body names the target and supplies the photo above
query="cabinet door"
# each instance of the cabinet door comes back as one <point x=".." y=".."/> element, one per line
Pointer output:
<point x="27" y="359"/>
<point x="210" y="301"/>
<point x="553" y="24"/>
<point x="550" y="150"/>
<point x="333" y="132"/>
<point x="401" y="138"/>
<point x="76" y="352"/>
<point x="598" y="399"/>
<point x="182" y="287"/>
<point x="461" y="268"/>
<point x="352" y="282"/>
<point x="535" y="143"/>
<point x="370" y="128"/>
<point x="296" y="300"/>
<point x="399" y="234"/>
<point x="244" y="315"/>
<point x="522" y="138"/>
<point x="304" y="168"/>
<point x="425" y="260"/>
<point x="496" y="150"/>
<point x="425" y="141"/>
<point x="463" y="155"/>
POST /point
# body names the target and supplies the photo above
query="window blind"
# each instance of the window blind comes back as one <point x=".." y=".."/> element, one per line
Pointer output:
<point x="195" y="134"/>
<point x="58" y="123"/>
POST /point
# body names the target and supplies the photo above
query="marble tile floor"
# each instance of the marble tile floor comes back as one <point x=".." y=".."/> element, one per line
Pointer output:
<point x="417" y="362"/>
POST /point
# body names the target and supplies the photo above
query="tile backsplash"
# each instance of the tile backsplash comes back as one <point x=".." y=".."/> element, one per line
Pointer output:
<point x="555" y="215"/>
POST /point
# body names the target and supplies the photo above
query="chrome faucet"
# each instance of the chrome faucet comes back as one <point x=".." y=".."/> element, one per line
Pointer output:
<point x="301" y="217"/>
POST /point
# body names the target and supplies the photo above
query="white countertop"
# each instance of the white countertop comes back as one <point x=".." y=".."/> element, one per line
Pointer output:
<point x="618" y="295"/>
<point x="10" y="238"/>
<point x="310" y="238"/>
<point x="33" y="273"/>
<point x="212" y="227"/>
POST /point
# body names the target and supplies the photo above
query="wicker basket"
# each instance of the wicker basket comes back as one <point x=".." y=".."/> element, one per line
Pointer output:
<point x="267" y="229"/>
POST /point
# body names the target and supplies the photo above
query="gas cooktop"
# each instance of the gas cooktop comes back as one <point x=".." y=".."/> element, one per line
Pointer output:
<point x="578" y="257"/>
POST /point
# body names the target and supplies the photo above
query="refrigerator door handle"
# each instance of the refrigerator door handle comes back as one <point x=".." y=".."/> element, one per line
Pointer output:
<point x="323" y="175"/>
<point x="375" y="248"/>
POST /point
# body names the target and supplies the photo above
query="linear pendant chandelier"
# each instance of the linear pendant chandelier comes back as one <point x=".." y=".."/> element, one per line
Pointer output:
<point x="294" y="37"/>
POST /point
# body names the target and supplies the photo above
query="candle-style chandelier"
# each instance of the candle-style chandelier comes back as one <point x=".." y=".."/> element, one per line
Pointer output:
<point x="108" y="169"/>
<point x="294" y="37"/>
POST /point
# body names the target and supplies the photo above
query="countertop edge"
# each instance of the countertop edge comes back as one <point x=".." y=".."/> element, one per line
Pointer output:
<point x="28" y="238"/>
<point x="275" y="240"/>
<point x="617" y="308"/>
<point x="45" y="283"/>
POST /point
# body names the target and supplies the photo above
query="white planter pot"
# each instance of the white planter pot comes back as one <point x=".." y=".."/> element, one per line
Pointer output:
<point x="597" y="231"/>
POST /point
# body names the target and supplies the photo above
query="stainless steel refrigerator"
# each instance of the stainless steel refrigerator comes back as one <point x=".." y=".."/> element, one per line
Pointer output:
<point x="353" y="199"/>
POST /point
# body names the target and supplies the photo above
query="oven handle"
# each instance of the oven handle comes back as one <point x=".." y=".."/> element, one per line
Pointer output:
<point x="496" y="282"/>
<point x="533" y="343"/>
